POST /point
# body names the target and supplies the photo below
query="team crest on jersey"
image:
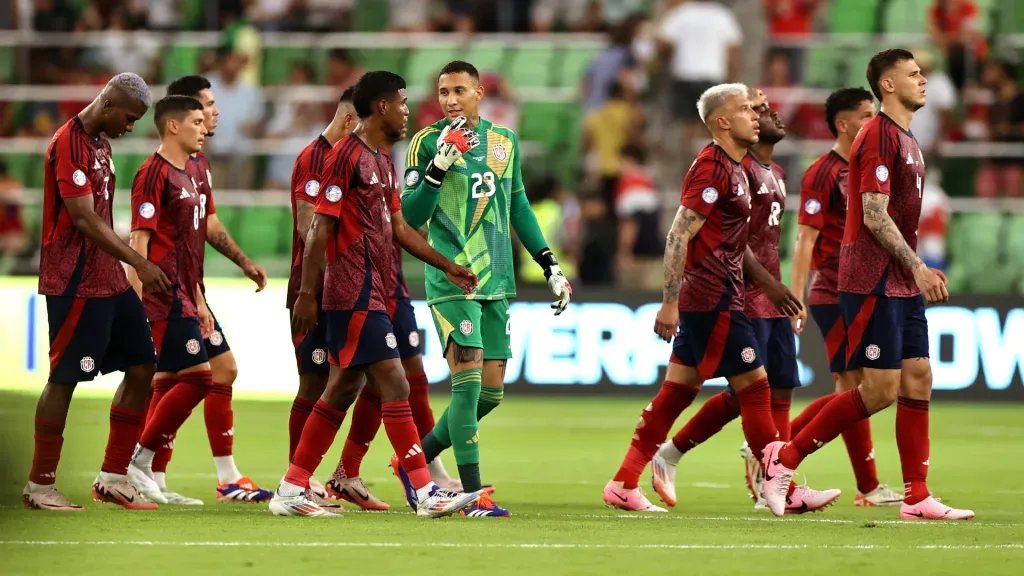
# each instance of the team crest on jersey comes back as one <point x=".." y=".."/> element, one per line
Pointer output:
<point x="710" y="195"/>
<point x="873" y="352"/>
<point x="748" y="355"/>
<point x="79" y="178"/>
<point x="466" y="327"/>
<point x="412" y="178"/>
<point x="312" y="188"/>
<point x="414" y="338"/>
<point x="319" y="356"/>
<point x="87" y="364"/>
<point x="499" y="152"/>
<point x="147" y="210"/>
<point x="882" y="173"/>
<point x="192" y="346"/>
<point x="391" y="341"/>
<point x="812" y="206"/>
<point x="216" y="338"/>
<point x="333" y="193"/>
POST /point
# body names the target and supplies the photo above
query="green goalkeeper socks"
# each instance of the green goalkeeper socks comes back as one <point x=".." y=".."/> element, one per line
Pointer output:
<point x="462" y="422"/>
<point x="438" y="440"/>
<point x="489" y="400"/>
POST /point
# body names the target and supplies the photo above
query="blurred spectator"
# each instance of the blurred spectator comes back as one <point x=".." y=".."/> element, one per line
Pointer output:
<point x="615" y="12"/>
<point x="275" y="15"/>
<point x="342" y="71"/>
<point x="546" y="199"/>
<point x="120" y="52"/>
<point x="159" y="15"/>
<point x="241" y="117"/>
<point x="46" y="63"/>
<point x="408" y="16"/>
<point x="429" y="110"/>
<point x="499" y="105"/>
<point x="1002" y="176"/>
<point x="935" y="211"/>
<point x="12" y="230"/>
<point x="571" y="15"/>
<point x="638" y="209"/>
<point x="614" y="63"/>
<point x="606" y="130"/>
<point x="328" y="15"/>
<point x="791" y="21"/>
<point x="597" y="248"/>
<point x="703" y="41"/>
<point x="295" y="123"/>
<point x="955" y="26"/>
<point x="931" y="123"/>
<point x="54" y="15"/>
<point x="243" y="39"/>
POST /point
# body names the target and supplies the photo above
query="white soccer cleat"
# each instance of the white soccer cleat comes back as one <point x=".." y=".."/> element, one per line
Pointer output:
<point x="634" y="500"/>
<point x="760" y="504"/>
<point x="777" y="479"/>
<point x="142" y="477"/>
<point x="300" y="505"/>
<point x="47" y="498"/>
<point x="880" y="496"/>
<point x="931" y="509"/>
<point x="440" y="476"/>
<point x="441" y="502"/>
<point x="663" y="477"/>
<point x="175" y="498"/>
<point x="753" y="472"/>
<point x="804" y="499"/>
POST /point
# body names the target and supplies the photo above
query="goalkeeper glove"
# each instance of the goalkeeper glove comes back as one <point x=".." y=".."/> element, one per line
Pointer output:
<point x="453" y="142"/>
<point x="557" y="282"/>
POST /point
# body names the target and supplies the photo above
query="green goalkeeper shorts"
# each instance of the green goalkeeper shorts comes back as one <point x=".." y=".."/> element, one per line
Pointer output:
<point x="475" y="324"/>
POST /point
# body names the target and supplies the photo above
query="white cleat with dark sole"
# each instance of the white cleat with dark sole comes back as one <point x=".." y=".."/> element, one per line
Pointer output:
<point x="880" y="496"/>
<point x="299" y="505"/>
<point x="142" y="477"/>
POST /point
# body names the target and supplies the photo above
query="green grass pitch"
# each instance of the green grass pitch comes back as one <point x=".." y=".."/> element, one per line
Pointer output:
<point x="549" y="459"/>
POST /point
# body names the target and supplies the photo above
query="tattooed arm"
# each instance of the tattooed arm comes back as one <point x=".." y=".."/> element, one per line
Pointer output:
<point x="684" y="228"/>
<point x="878" y="221"/>
<point x="218" y="237"/>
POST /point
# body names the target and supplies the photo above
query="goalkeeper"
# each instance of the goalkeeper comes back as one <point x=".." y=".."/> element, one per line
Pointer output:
<point x="463" y="180"/>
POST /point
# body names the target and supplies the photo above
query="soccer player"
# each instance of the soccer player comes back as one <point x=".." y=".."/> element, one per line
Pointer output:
<point x="704" y="295"/>
<point x="464" y="176"/>
<point x="822" y="217"/>
<point x="217" y="412"/>
<point x="883" y="287"/>
<point x="168" y="230"/>
<point x="96" y="321"/>
<point x="358" y="216"/>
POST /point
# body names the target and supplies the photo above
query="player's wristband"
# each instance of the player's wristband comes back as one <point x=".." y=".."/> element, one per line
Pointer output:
<point x="546" y="259"/>
<point x="434" y="175"/>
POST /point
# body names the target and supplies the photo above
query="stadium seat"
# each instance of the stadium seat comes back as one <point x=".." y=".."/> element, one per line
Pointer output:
<point x="126" y="166"/>
<point x="179" y="61"/>
<point x="18" y="166"/>
<point x="543" y="122"/>
<point x="390" y="59"/>
<point x="1015" y="248"/>
<point x="974" y="243"/>
<point x="852" y="16"/>
<point x="229" y="216"/>
<point x="1010" y="14"/>
<point x="193" y="14"/>
<point x="820" y="69"/>
<point x="279" y="62"/>
<point x="787" y="239"/>
<point x="958" y="176"/>
<point x="575" y="62"/>
<point x="371" y="17"/>
<point x="531" y="67"/>
<point x="906" y="16"/>
<point x="259" y="232"/>
<point x="7" y="65"/>
<point x="424" y="64"/>
<point x="487" y="57"/>
<point x="32" y="219"/>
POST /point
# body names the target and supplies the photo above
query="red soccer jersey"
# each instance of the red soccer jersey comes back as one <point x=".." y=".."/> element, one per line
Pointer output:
<point x="716" y="186"/>
<point x="306" y="176"/>
<point x="395" y="283"/>
<point x="198" y="169"/>
<point x="358" y="190"/>
<point x="768" y="195"/>
<point x="823" y="207"/>
<point x="69" y="263"/>
<point x="165" y="201"/>
<point x="885" y="159"/>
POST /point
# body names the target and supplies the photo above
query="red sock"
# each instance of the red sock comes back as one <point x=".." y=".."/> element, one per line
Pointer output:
<point x="49" y="439"/>
<point x="296" y="421"/>
<point x="317" y="436"/>
<point x="366" y="417"/>
<point x="163" y="453"/>
<point x="756" y="416"/>
<point x="780" y="414"/>
<point x="914" y="446"/>
<point x="844" y="411"/>
<point x="805" y="417"/>
<point x="655" y="422"/>
<point x="125" y="427"/>
<point x="175" y="408"/>
<point x="405" y="439"/>
<point x="161" y="387"/>
<point x="862" y="455"/>
<point x="220" y="420"/>
<point x="718" y="411"/>
<point x="419" y="401"/>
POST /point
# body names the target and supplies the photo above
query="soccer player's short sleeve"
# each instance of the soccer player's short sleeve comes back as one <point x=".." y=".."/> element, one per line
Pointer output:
<point x="876" y="159"/>
<point x="421" y="151"/>
<point x="211" y="207"/>
<point x="305" y="183"/>
<point x="814" y="197"/>
<point x="147" y="194"/>
<point x="707" y="183"/>
<point x="339" y="175"/>
<point x="72" y="166"/>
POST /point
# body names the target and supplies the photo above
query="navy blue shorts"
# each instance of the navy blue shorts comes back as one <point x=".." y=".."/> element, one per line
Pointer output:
<point x="311" y="348"/>
<point x="357" y="338"/>
<point x="829" y="319"/>
<point x="883" y="331"/>
<point x="403" y="318"/>
<point x="179" y="344"/>
<point x="777" y="342"/>
<point x="217" y="343"/>
<point x="86" y="334"/>
<point x="716" y="343"/>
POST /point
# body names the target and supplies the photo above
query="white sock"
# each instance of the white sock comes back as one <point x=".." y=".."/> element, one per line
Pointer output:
<point x="670" y="453"/>
<point x="143" y="457"/>
<point x="111" y="477"/>
<point x="35" y="487"/>
<point x="227" y="472"/>
<point x="424" y="492"/>
<point x="437" y="471"/>
<point x="288" y="489"/>
<point x="161" y="479"/>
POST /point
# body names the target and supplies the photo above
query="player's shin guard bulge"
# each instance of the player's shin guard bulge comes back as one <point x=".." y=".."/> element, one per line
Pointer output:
<point x="125" y="428"/>
<point x="366" y="420"/>
<point x="401" y="431"/>
<point x="462" y="421"/>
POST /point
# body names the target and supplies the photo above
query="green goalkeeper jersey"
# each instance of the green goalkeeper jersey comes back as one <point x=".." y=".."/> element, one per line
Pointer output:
<point x="470" y="223"/>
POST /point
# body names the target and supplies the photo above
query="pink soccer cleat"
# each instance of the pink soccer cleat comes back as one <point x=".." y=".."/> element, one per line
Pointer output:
<point x="931" y="509"/>
<point x="117" y="489"/>
<point x="804" y="499"/>
<point x="777" y="479"/>
<point x="615" y="496"/>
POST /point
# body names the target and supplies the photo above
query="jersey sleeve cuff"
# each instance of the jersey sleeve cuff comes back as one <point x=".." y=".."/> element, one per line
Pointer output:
<point x="699" y="206"/>
<point x="73" y="191"/>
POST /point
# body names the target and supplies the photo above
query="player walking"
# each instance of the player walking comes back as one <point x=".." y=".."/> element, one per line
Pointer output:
<point x="359" y="206"/>
<point x="464" y="178"/>
<point x="705" y="299"/>
<point x="822" y="217"/>
<point x="97" y="323"/>
<point x="883" y="286"/>
<point x="168" y="230"/>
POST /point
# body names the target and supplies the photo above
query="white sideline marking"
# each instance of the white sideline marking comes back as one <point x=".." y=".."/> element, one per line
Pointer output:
<point x="773" y="519"/>
<point x="554" y="546"/>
